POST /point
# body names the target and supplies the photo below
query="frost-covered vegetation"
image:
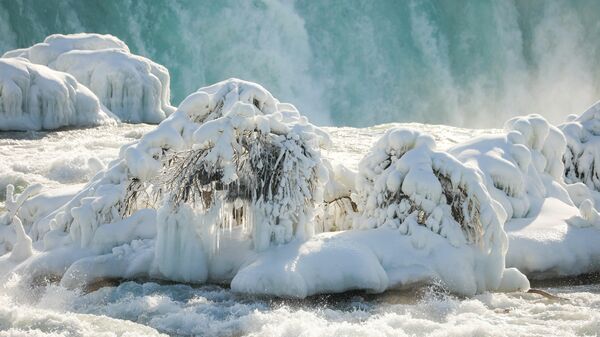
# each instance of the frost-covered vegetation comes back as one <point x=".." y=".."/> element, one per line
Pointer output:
<point x="233" y="188"/>
<point x="403" y="182"/>
<point x="232" y="158"/>
<point x="582" y="157"/>
<point x="132" y="87"/>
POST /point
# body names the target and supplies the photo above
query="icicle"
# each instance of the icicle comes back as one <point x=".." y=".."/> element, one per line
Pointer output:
<point x="22" y="249"/>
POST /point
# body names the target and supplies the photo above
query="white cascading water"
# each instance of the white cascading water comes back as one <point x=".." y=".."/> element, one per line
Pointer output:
<point x="422" y="61"/>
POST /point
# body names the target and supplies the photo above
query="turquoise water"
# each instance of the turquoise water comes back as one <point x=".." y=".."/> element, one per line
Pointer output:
<point x="351" y="62"/>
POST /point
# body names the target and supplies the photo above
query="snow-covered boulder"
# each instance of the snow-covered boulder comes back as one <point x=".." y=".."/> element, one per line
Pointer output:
<point x="133" y="87"/>
<point x="35" y="97"/>
<point x="54" y="45"/>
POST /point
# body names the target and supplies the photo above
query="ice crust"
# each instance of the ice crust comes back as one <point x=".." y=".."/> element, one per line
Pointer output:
<point x="132" y="87"/>
<point x="233" y="188"/>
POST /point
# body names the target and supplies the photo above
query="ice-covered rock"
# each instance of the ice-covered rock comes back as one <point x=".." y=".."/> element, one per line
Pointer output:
<point x="133" y="87"/>
<point x="54" y="45"/>
<point x="35" y="97"/>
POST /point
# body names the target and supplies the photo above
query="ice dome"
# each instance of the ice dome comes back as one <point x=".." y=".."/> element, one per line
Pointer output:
<point x="133" y="87"/>
<point x="35" y="97"/>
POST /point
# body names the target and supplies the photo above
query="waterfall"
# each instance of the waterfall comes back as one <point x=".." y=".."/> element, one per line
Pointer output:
<point x="351" y="62"/>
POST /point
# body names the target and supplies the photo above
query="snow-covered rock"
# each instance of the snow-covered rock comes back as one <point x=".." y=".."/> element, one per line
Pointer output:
<point x="35" y="97"/>
<point x="232" y="188"/>
<point x="54" y="45"/>
<point x="133" y="87"/>
<point x="554" y="242"/>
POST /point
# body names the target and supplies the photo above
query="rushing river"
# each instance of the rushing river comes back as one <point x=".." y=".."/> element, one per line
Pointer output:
<point x="146" y="309"/>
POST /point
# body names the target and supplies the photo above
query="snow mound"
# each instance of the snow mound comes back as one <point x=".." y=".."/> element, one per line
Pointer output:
<point x="550" y="244"/>
<point x="522" y="167"/>
<point x="54" y="45"/>
<point x="134" y="88"/>
<point x="35" y="97"/>
<point x="552" y="222"/>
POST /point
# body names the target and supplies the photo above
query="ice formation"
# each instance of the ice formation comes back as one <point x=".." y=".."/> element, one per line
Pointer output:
<point x="134" y="88"/>
<point x="582" y="157"/>
<point x="35" y="97"/>
<point x="233" y="188"/>
<point x="550" y="217"/>
<point x="521" y="167"/>
<point x="232" y="159"/>
<point x="338" y="209"/>
<point x="403" y="180"/>
<point x="405" y="184"/>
